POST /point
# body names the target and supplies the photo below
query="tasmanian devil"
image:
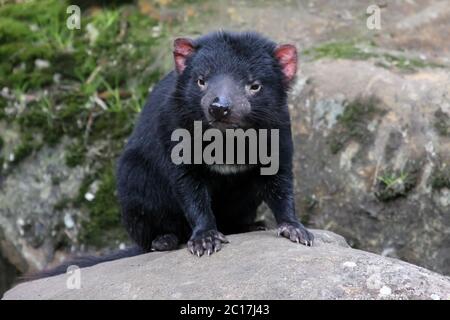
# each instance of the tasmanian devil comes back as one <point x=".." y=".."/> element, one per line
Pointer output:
<point x="225" y="80"/>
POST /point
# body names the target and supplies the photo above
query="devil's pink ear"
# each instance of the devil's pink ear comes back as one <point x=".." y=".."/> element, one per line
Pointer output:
<point x="182" y="49"/>
<point x="286" y="55"/>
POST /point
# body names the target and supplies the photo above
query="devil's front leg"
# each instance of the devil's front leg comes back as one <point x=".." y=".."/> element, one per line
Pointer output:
<point x="279" y="196"/>
<point x="195" y="201"/>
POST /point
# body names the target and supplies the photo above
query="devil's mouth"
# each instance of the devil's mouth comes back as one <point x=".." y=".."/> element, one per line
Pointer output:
<point x="224" y="124"/>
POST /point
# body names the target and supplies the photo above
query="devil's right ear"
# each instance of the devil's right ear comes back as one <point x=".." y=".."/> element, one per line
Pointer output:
<point x="286" y="55"/>
<point x="182" y="49"/>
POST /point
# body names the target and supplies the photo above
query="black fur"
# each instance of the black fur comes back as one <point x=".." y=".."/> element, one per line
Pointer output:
<point x="191" y="201"/>
<point x="164" y="204"/>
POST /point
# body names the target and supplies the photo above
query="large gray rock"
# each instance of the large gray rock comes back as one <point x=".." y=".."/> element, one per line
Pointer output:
<point x="30" y="227"/>
<point x="369" y="155"/>
<point x="255" y="265"/>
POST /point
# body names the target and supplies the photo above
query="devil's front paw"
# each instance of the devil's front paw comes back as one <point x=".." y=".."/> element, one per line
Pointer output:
<point x="206" y="242"/>
<point x="296" y="233"/>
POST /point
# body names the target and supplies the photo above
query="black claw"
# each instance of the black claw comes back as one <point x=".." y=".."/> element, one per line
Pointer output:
<point x="296" y="233"/>
<point x="206" y="242"/>
<point x="165" y="242"/>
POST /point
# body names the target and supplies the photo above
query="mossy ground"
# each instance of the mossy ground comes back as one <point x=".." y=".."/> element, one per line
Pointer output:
<point x="393" y="184"/>
<point x="352" y="124"/>
<point x="88" y="85"/>
<point x="442" y="123"/>
<point x="440" y="178"/>
<point x="357" y="50"/>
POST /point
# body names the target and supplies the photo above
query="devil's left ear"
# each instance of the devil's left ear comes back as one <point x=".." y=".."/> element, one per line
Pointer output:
<point x="286" y="54"/>
<point x="182" y="49"/>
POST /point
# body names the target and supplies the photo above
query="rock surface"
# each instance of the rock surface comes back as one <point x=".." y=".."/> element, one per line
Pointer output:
<point x="253" y="266"/>
<point x="368" y="157"/>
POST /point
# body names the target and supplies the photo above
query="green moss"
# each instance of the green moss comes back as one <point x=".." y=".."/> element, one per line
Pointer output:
<point x="101" y="226"/>
<point x="104" y="216"/>
<point x="440" y="178"/>
<point x="3" y="105"/>
<point x="17" y="68"/>
<point x="338" y="50"/>
<point x="2" y="158"/>
<point x="113" y="125"/>
<point x="36" y="128"/>
<point x="36" y="11"/>
<point x="75" y="155"/>
<point x="352" y="124"/>
<point x="35" y="116"/>
<point x="307" y="206"/>
<point x="442" y="123"/>
<point x="62" y="204"/>
<point x="393" y="184"/>
<point x="362" y="51"/>
<point x="355" y="112"/>
<point x="20" y="46"/>
<point x="405" y="63"/>
<point x="56" y="180"/>
<point x="23" y="149"/>
<point x="66" y="64"/>
<point x="13" y="30"/>
<point x="118" y="68"/>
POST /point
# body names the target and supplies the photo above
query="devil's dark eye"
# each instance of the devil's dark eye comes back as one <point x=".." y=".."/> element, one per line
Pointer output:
<point x="254" y="87"/>
<point x="201" y="83"/>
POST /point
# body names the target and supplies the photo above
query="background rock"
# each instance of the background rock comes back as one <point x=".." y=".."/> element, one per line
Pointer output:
<point x="28" y="218"/>
<point x="255" y="265"/>
<point x="368" y="155"/>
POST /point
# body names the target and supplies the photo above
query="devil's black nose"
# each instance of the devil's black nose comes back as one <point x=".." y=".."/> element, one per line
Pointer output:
<point x="219" y="108"/>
